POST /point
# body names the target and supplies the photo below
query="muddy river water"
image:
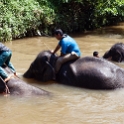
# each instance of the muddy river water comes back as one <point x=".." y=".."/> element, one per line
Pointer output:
<point x="67" y="105"/>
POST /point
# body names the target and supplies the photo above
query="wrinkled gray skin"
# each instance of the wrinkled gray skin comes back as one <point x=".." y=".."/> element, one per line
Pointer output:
<point x="116" y="53"/>
<point x="19" y="87"/>
<point x="86" y="72"/>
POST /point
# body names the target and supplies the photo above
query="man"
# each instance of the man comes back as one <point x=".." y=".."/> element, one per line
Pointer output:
<point x="69" y="49"/>
<point x="5" y="56"/>
<point x="95" y="54"/>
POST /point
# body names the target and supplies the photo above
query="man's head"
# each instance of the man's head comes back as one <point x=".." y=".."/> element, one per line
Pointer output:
<point x="95" y="54"/>
<point x="58" y="34"/>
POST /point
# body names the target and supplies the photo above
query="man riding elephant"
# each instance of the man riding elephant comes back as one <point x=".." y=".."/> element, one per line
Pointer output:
<point x="9" y="81"/>
<point x="69" y="49"/>
<point x="85" y="72"/>
<point x="5" y="56"/>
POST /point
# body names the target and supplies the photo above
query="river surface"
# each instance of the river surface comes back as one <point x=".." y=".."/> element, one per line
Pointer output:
<point x="67" y="105"/>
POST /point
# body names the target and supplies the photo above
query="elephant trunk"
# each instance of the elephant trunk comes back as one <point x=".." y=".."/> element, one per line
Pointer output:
<point x="28" y="73"/>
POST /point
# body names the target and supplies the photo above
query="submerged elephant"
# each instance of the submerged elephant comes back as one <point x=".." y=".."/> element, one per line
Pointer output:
<point x="86" y="72"/>
<point x="116" y="53"/>
<point x="17" y="86"/>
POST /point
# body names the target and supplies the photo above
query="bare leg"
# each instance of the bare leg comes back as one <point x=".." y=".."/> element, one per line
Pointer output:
<point x="63" y="59"/>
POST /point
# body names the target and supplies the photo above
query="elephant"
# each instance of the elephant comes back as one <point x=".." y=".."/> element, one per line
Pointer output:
<point x="116" y="53"/>
<point x="17" y="87"/>
<point x="86" y="72"/>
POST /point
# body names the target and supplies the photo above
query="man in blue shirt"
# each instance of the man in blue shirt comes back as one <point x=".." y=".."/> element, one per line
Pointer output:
<point x="69" y="49"/>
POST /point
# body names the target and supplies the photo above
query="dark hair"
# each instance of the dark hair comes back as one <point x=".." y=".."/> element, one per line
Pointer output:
<point x="58" y="31"/>
<point x="95" y="53"/>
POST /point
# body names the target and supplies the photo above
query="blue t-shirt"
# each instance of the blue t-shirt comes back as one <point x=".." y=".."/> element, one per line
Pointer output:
<point x="69" y="45"/>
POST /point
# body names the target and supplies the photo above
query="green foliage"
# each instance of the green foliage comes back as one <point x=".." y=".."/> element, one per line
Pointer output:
<point x="108" y="12"/>
<point x="80" y="15"/>
<point x="17" y="17"/>
<point x="20" y="18"/>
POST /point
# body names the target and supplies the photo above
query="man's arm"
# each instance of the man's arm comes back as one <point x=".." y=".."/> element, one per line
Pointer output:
<point x="56" y="49"/>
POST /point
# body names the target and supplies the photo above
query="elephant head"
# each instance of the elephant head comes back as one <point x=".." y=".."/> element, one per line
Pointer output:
<point x="116" y="53"/>
<point x="43" y="65"/>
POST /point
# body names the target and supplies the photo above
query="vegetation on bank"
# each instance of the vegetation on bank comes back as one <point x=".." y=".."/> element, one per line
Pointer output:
<point x="21" y="18"/>
<point x="80" y="15"/>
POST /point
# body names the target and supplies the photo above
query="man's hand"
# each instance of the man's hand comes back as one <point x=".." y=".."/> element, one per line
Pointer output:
<point x="52" y="51"/>
<point x="15" y="73"/>
<point x="8" y="78"/>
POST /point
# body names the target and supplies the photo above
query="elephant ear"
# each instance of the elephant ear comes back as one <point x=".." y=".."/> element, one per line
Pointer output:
<point x="117" y="56"/>
<point x="48" y="72"/>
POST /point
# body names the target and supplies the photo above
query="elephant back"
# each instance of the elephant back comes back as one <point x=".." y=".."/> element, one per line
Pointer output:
<point x="92" y="73"/>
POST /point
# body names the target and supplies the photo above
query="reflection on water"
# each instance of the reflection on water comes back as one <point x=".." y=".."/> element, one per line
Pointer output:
<point x="67" y="104"/>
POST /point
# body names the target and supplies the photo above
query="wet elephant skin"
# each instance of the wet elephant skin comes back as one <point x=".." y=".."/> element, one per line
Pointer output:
<point x="86" y="72"/>
<point x="18" y="87"/>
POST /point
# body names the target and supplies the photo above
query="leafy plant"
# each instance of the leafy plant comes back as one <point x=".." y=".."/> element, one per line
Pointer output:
<point x="81" y="15"/>
<point x="19" y="17"/>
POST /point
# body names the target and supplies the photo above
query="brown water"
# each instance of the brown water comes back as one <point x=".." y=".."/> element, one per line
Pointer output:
<point x="68" y="105"/>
